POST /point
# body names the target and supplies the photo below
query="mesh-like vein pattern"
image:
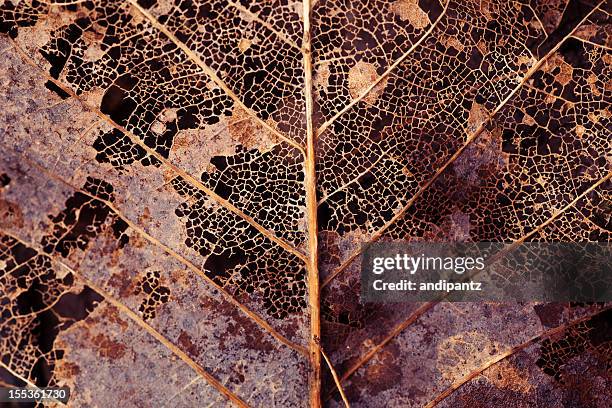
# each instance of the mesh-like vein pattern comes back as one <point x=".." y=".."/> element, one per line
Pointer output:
<point x="378" y="153"/>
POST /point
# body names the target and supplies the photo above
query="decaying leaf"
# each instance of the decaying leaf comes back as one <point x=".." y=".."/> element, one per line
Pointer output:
<point x="186" y="188"/>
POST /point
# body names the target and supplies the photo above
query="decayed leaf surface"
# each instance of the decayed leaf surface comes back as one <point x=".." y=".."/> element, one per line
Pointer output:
<point x="186" y="188"/>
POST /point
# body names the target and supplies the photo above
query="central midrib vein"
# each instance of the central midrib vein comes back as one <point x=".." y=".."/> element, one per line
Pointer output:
<point x="312" y="266"/>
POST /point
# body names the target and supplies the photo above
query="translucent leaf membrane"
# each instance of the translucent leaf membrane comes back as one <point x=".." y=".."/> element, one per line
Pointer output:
<point x="246" y="53"/>
<point x="94" y="241"/>
<point x="555" y="370"/>
<point x="571" y="359"/>
<point x="108" y="346"/>
<point x="449" y="345"/>
<point x="106" y="51"/>
<point x="116" y="61"/>
<point x="63" y="333"/>
<point x="378" y="153"/>
<point x="152" y="195"/>
<point x="544" y="149"/>
<point x="262" y="274"/>
<point x="31" y="291"/>
<point x="354" y="42"/>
